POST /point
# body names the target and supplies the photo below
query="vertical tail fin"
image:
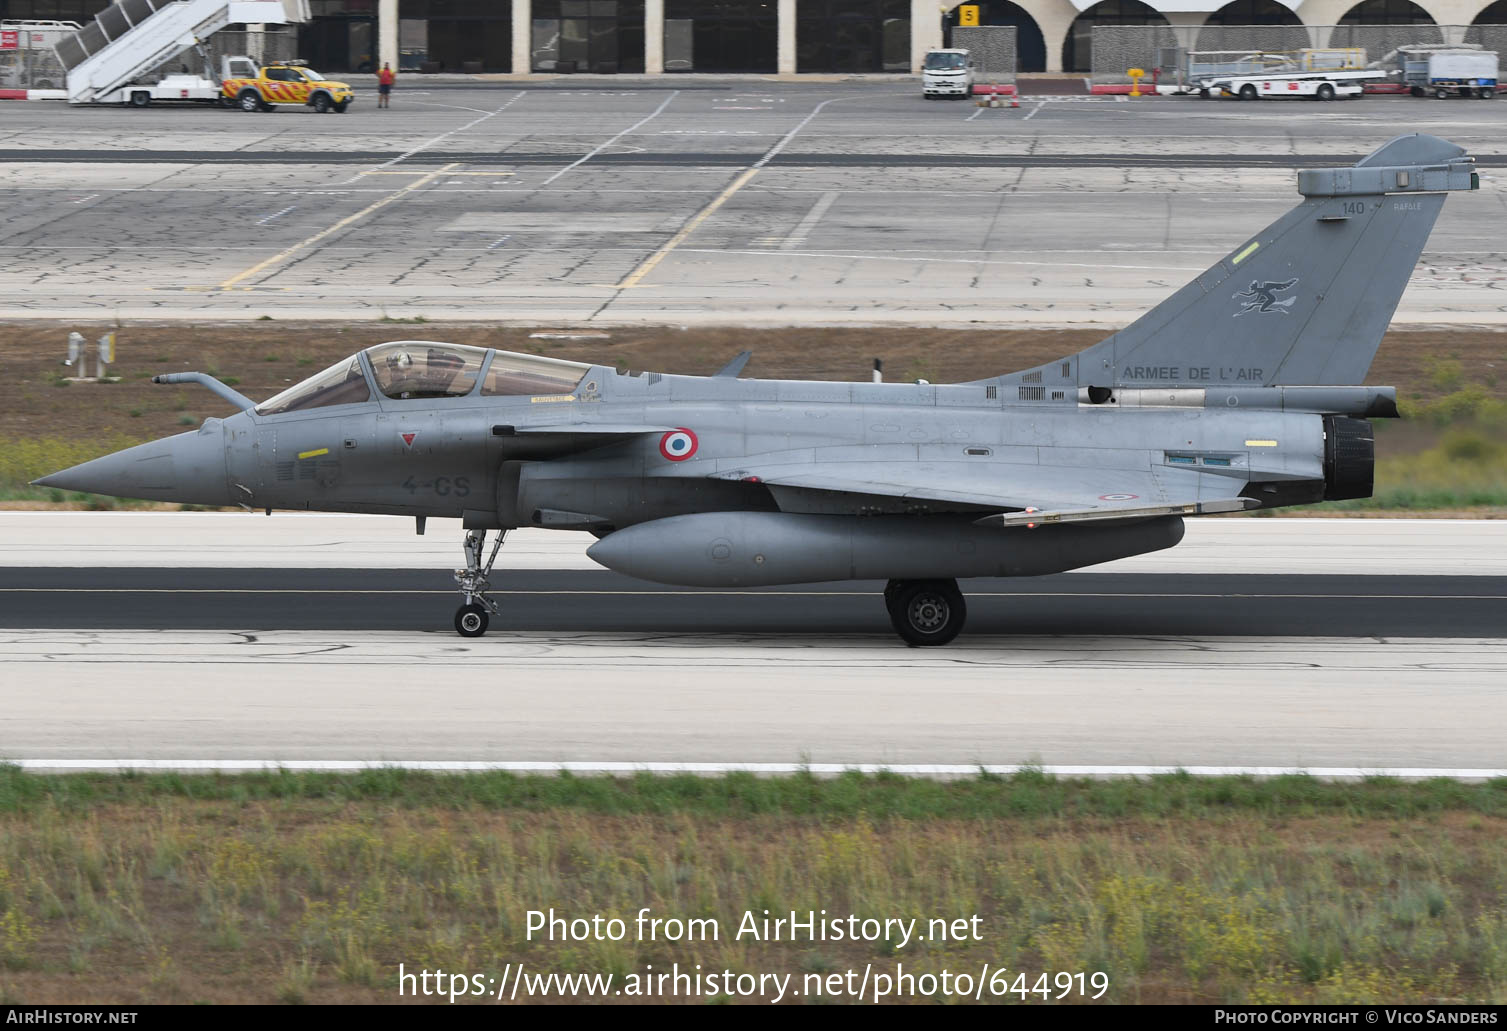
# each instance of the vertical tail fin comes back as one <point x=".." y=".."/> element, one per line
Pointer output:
<point x="1304" y="301"/>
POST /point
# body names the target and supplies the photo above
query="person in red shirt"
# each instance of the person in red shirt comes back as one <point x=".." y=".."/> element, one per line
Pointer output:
<point x="385" y="79"/>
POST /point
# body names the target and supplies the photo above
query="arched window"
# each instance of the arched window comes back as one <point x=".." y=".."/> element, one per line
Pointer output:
<point x="1368" y="23"/>
<point x="1078" y="51"/>
<point x="1489" y="30"/>
<point x="1253" y="25"/>
<point x="1030" y="47"/>
<point x="1386" y="12"/>
<point x="1254" y="12"/>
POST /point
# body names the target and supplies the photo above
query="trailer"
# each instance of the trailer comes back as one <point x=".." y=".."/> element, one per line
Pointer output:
<point x="26" y="58"/>
<point x="1316" y="85"/>
<point x="1440" y="73"/>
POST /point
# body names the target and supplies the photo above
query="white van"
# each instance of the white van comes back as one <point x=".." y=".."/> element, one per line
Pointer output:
<point x="948" y="73"/>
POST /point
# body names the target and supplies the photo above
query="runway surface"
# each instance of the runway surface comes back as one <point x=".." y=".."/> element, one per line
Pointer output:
<point x="593" y="697"/>
<point x="1270" y="644"/>
<point x="232" y="571"/>
<point x="1069" y="604"/>
<point x="758" y="203"/>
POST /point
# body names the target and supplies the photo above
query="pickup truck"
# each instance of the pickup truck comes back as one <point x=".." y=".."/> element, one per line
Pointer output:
<point x="292" y="82"/>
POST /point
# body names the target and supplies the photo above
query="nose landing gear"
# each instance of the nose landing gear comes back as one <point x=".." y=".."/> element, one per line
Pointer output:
<point x="471" y="619"/>
<point x="925" y="612"/>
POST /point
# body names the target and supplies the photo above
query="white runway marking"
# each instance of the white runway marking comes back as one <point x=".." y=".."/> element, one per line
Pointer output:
<point x="283" y="255"/>
<point x="636" y="277"/>
<point x="597" y="150"/>
<point x="975" y="114"/>
<point x="785" y="141"/>
<point x="799" y="233"/>
<point x="279" y="214"/>
<point x="420" y="148"/>
<point x="716" y="769"/>
<point x="1036" y="111"/>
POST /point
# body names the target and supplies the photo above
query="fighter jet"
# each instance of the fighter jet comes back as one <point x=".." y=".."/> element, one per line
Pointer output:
<point x="1209" y="403"/>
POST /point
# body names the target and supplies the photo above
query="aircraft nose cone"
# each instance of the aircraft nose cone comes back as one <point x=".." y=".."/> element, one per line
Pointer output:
<point x="188" y="468"/>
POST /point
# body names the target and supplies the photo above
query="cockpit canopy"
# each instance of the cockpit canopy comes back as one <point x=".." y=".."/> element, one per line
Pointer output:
<point x="409" y="370"/>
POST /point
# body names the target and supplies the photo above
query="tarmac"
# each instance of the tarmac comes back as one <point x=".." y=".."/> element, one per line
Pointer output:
<point x="222" y="641"/>
<point x="722" y="202"/>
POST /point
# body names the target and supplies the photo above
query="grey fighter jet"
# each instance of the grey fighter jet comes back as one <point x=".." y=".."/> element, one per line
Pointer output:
<point x="1225" y="397"/>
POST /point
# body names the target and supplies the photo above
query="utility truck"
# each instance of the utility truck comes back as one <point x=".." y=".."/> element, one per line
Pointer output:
<point x="182" y="86"/>
<point x="1450" y="73"/>
<point x="1315" y="73"/>
<point x="948" y="73"/>
<point x="291" y="82"/>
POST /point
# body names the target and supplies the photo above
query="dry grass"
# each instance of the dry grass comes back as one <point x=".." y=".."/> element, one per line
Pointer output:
<point x="136" y="894"/>
<point x="1445" y="379"/>
<point x="265" y="357"/>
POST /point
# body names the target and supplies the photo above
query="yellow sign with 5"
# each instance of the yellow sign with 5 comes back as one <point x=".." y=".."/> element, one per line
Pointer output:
<point x="968" y="15"/>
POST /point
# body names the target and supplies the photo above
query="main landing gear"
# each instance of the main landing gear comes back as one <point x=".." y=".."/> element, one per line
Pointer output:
<point x="925" y="612"/>
<point x="471" y="619"/>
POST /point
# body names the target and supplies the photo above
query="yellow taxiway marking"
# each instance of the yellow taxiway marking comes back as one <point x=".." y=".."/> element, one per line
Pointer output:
<point x="690" y="227"/>
<point x="279" y="258"/>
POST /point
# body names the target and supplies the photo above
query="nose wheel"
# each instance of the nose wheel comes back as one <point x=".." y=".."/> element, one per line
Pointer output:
<point x="925" y="612"/>
<point x="471" y="619"/>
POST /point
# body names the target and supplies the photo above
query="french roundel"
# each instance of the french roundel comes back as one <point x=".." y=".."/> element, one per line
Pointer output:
<point x="678" y="445"/>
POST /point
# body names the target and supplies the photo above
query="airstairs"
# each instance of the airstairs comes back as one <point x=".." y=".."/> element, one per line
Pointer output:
<point x="133" y="37"/>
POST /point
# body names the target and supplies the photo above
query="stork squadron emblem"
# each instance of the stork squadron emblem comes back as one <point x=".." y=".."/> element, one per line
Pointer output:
<point x="1261" y="298"/>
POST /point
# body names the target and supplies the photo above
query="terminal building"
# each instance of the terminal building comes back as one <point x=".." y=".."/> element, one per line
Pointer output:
<point x="785" y="37"/>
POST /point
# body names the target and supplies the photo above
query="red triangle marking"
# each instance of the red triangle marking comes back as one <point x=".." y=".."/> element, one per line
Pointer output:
<point x="408" y="438"/>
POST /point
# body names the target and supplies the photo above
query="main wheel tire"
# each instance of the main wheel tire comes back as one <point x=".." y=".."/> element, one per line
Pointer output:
<point x="340" y="107"/>
<point x="1487" y="93"/>
<point x="322" y="103"/>
<point x="1204" y="94"/>
<point x="1247" y="92"/>
<point x="471" y="620"/>
<point x="1325" y="91"/>
<point x="1441" y="93"/>
<point x="1416" y="91"/>
<point x="249" y="100"/>
<point x="140" y="99"/>
<point x="926" y="613"/>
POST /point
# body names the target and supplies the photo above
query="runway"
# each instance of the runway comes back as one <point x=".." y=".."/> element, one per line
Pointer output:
<point x="1262" y="644"/>
<point x="580" y="601"/>
<point x="1230" y="577"/>
<point x="590" y="698"/>
<point x="759" y="204"/>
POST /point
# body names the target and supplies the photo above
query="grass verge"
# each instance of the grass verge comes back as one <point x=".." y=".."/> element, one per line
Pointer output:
<point x="311" y="887"/>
